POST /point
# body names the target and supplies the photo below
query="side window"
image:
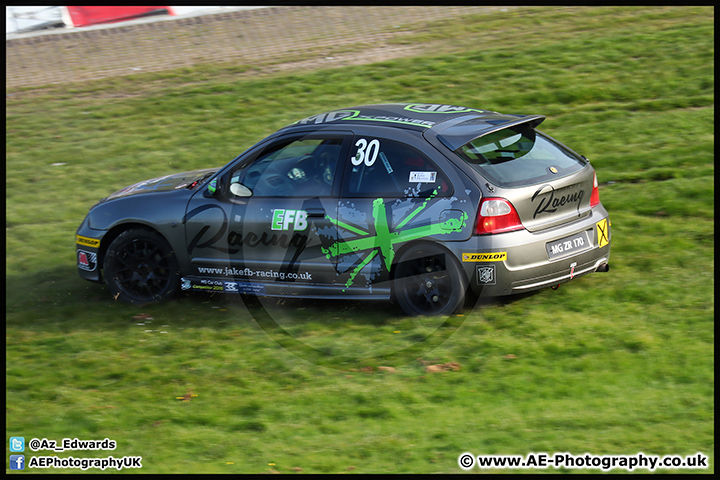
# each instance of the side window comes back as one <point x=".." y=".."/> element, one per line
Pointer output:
<point x="386" y="168"/>
<point x="299" y="167"/>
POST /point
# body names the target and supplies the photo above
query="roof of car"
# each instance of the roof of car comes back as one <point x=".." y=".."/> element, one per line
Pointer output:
<point x="457" y="123"/>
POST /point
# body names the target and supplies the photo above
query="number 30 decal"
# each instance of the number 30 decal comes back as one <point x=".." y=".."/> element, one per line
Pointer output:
<point x="368" y="156"/>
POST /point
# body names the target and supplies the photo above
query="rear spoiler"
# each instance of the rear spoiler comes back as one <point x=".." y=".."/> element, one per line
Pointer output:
<point x="461" y="130"/>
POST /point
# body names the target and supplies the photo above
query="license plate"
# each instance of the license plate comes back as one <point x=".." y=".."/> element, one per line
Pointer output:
<point x="568" y="245"/>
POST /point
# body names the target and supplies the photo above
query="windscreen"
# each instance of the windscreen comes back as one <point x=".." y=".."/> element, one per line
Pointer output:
<point x="519" y="156"/>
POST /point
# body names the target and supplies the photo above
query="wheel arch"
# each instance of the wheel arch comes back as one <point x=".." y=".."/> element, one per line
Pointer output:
<point x="467" y="299"/>
<point x="115" y="232"/>
<point x="414" y="244"/>
<point x="144" y="268"/>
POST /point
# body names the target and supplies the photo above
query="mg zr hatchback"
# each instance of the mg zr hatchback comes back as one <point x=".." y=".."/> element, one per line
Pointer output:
<point x="425" y="204"/>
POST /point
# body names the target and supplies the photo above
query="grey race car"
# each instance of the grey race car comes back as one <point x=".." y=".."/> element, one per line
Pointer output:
<point x="422" y="203"/>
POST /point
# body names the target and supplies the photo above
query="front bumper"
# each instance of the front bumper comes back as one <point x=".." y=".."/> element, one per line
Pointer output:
<point x="87" y="252"/>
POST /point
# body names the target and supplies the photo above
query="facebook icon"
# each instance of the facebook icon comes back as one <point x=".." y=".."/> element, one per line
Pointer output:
<point x="17" y="462"/>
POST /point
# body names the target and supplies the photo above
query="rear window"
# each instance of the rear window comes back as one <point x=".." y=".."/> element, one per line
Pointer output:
<point x="519" y="156"/>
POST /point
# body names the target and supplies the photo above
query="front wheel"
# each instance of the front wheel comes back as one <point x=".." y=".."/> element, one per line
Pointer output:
<point x="428" y="281"/>
<point x="140" y="267"/>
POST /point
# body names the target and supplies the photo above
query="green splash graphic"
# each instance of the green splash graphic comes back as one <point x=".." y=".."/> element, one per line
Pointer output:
<point x="384" y="240"/>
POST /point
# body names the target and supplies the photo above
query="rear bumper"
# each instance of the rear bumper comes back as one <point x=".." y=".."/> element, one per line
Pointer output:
<point x="517" y="262"/>
<point x="555" y="279"/>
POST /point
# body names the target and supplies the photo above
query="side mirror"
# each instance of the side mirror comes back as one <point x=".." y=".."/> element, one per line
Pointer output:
<point x="211" y="189"/>
<point x="240" y="190"/>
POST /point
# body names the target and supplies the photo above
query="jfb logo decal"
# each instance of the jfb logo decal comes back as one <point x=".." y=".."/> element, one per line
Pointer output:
<point x="86" y="260"/>
<point x="282" y="219"/>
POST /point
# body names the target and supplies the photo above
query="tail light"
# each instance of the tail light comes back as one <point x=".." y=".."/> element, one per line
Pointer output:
<point x="497" y="215"/>
<point x="595" y="195"/>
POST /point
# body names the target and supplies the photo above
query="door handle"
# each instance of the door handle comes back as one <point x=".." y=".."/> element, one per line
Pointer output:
<point x="315" y="212"/>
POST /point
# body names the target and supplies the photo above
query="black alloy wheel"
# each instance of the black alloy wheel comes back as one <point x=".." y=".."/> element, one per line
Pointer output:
<point x="428" y="281"/>
<point x="140" y="267"/>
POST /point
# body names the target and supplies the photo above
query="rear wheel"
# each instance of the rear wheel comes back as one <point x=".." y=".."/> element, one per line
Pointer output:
<point x="140" y="267"/>
<point x="428" y="281"/>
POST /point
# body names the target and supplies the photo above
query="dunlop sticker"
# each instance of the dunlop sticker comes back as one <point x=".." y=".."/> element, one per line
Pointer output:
<point x="88" y="242"/>
<point x="484" y="257"/>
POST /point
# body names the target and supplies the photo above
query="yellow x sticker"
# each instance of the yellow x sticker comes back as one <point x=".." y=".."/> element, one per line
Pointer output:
<point x="603" y="233"/>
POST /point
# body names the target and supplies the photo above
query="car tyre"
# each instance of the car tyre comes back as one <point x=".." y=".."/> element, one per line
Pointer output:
<point x="428" y="281"/>
<point x="141" y="267"/>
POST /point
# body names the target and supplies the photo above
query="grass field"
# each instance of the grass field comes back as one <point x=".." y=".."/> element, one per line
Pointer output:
<point x="615" y="363"/>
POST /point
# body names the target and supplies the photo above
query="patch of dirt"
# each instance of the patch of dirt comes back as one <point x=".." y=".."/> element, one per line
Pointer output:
<point x="362" y="57"/>
<point x="277" y="39"/>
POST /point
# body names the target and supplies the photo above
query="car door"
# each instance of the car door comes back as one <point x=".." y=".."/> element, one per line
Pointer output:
<point x="272" y="218"/>
<point x="392" y="193"/>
